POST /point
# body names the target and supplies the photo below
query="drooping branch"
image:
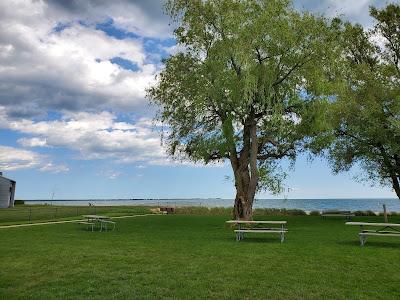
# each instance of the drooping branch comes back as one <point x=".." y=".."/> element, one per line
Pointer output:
<point x="292" y="69"/>
<point x="277" y="153"/>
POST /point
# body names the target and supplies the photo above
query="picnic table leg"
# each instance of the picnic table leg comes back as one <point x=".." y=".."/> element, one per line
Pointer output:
<point x="363" y="238"/>
<point x="239" y="234"/>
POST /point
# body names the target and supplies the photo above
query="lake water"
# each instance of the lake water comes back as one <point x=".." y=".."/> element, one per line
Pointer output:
<point x="304" y="204"/>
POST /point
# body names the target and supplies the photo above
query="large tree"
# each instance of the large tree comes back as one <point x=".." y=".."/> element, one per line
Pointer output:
<point x="366" y="115"/>
<point x="242" y="86"/>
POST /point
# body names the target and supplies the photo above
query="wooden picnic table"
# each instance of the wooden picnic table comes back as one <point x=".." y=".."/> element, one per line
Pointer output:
<point x="382" y="229"/>
<point x="255" y="229"/>
<point x="337" y="213"/>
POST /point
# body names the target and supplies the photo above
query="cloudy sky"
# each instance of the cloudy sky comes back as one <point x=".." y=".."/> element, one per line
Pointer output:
<point x="73" y="117"/>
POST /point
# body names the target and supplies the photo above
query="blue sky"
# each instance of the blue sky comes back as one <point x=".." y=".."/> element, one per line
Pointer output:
<point x="74" y="119"/>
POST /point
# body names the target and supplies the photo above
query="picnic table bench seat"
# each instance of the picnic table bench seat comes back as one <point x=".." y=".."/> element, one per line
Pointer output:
<point x="254" y="229"/>
<point x="337" y="213"/>
<point x="88" y="224"/>
<point x="383" y="229"/>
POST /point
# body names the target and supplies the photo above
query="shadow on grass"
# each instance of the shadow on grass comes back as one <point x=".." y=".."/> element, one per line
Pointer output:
<point x="374" y="244"/>
<point x="254" y="240"/>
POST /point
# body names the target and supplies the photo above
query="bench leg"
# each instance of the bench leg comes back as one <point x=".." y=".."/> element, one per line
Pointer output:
<point x="363" y="239"/>
<point x="239" y="236"/>
<point x="282" y="237"/>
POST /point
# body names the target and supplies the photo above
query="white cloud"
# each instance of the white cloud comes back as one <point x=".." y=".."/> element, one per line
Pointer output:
<point x="15" y="159"/>
<point x="143" y="17"/>
<point x="66" y="70"/>
<point x="93" y="136"/>
<point x="51" y="167"/>
<point x="12" y="159"/>
<point x="110" y="174"/>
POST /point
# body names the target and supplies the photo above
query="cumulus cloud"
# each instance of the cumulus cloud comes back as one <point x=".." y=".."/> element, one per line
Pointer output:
<point x="71" y="69"/>
<point x="12" y="159"/>
<point x="143" y="17"/>
<point x="92" y="136"/>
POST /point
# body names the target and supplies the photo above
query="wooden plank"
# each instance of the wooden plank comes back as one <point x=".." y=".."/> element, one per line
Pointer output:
<point x="373" y="224"/>
<point x="261" y="231"/>
<point x="255" y="222"/>
<point x="265" y="228"/>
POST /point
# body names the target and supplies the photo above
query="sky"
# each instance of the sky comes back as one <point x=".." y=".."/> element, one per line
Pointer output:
<point x="74" y="120"/>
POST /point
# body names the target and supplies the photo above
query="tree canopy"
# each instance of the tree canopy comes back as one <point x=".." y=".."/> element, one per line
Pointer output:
<point x="244" y="86"/>
<point x="366" y="115"/>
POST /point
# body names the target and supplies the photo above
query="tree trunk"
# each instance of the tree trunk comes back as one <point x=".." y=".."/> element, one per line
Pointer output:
<point x="245" y="170"/>
<point x="243" y="208"/>
<point x="396" y="185"/>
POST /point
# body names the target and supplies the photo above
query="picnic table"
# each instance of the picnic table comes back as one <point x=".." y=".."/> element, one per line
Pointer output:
<point x="337" y="213"/>
<point x="93" y="219"/>
<point x="253" y="227"/>
<point x="380" y="229"/>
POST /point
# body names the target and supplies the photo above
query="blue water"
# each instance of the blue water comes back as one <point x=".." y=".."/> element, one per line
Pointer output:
<point x="304" y="204"/>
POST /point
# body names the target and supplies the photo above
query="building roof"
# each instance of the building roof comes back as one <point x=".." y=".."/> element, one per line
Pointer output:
<point x="1" y="176"/>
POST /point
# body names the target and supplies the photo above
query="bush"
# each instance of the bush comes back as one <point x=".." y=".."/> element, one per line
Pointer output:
<point x="227" y="211"/>
<point x="278" y="212"/>
<point x="202" y="210"/>
<point x="19" y="202"/>
<point x="365" y="213"/>
<point x="391" y="213"/>
<point x="315" y="213"/>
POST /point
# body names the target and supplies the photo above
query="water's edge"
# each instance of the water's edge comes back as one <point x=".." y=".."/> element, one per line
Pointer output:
<point x="303" y="204"/>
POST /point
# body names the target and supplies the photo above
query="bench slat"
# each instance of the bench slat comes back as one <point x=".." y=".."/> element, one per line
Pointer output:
<point x="373" y="224"/>
<point x="255" y="222"/>
<point x="262" y="228"/>
<point x="261" y="231"/>
<point x="379" y="234"/>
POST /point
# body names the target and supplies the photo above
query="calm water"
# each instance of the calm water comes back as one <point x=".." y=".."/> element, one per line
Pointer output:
<point x="304" y="204"/>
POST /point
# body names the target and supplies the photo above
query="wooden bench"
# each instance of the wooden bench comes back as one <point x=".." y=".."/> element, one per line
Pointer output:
<point x="255" y="229"/>
<point x="88" y="224"/>
<point x="383" y="229"/>
<point x="337" y="213"/>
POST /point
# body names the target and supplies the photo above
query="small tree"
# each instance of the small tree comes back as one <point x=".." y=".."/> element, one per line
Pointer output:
<point x="366" y="115"/>
<point x="243" y="86"/>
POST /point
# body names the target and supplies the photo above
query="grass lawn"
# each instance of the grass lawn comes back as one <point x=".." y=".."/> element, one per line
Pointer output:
<point x="21" y="214"/>
<point x="190" y="257"/>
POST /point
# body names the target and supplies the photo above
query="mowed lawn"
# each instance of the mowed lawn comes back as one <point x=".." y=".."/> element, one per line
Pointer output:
<point x="197" y="257"/>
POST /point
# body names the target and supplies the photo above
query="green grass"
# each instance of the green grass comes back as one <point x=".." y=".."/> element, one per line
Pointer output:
<point x="21" y="214"/>
<point x="196" y="257"/>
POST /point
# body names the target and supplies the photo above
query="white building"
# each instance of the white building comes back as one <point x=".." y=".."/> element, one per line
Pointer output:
<point x="7" y="192"/>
